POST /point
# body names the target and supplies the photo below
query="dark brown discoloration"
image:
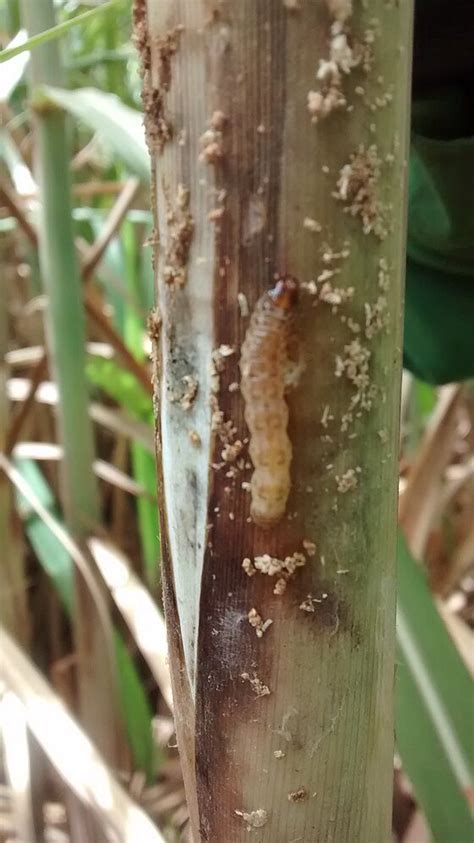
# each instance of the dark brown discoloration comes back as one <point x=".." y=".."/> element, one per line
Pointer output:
<point x="227" y="643"/>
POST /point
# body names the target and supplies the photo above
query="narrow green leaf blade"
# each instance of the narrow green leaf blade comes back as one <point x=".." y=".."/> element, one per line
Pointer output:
<point x="433" y="708"/>
<point x="55" y="31"/>
<point x="136" y="710"/>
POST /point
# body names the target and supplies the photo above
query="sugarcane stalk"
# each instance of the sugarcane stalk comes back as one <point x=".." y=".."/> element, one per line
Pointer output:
<point x="278" y="139"/>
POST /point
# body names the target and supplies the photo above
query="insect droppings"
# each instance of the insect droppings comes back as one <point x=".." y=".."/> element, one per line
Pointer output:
<point x="265" y="367"/>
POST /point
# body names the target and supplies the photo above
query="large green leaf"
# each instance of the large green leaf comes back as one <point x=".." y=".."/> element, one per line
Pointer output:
<point x="57" y="563"/>
<point x="119" y="126"/>
<point x="439" y="305"/>
<point x="434" y="697"/>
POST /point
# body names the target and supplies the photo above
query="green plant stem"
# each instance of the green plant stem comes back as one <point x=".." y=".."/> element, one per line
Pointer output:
<point x="66" y="329"/>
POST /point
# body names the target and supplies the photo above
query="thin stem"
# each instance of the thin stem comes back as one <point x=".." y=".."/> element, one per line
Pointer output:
<point x="65" y="318"/>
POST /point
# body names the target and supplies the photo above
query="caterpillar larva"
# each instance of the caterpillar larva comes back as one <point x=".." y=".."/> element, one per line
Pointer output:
<point x="264" y="366"/>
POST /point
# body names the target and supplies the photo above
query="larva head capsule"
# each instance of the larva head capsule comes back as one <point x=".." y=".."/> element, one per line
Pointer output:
<point x="285" y="292"/>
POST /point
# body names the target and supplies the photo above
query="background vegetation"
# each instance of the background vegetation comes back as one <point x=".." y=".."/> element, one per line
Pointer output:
<point x="62" y="589"/>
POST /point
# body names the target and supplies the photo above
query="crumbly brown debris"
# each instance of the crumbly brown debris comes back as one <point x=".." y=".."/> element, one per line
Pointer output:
<point x="224" y="351"/>
<point x="271" y="565"/>
<point x="280" y="587"/>
<point x="216" y="214"/>
<point x="283" y="569"/>
<point x="180" y="234"/>
<point x="340" y="10"/>
<point x="256" y="620"/>
<point x="217" y="364"/>
<point x="376" y="317"/>
<point x="154" y="323"/>
<point x="355" y="367"/>
<point x="312" y="225"/>
<point x="167" y="47"/>
<point x="248" y="567"/>
<point x="218" y="121"/>
<point x="334" y="296"/>
<point x="212" y="140"/>
<point x="347" y="481"/>
<point x="258" y="687"/>
<point x="158" y="125"/>
<point x="231" y="451"/>
<point x="383" y="275"/>
<point x="194" y="438"/>
<point x="187" y="398"/>
<point x="310" y="602"/>
<point x="243" y="305"/>
<point x="298" y="795"/>
<point x="326" y="416"/>
<point x="330" y="96"/>
<point x="254" y="819"/>
<point x="357" y="188"/>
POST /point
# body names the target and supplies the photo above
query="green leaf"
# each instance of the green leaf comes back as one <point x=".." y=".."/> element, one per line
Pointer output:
<point x="425" y="396"/>
<point x="434" y="726"/>
<point x="136" y="710"/>
<point x="118" y="125"/>
<point x="51" y="554"/>
<point x="120" y="385"/>
<point x="55" y="31"/>
<point x="58" y="565"/>
<point x="439" y="302"/>
<point x="143" y="463"/>
<point x="144" y="472"/>
<point x="421" y="403"/>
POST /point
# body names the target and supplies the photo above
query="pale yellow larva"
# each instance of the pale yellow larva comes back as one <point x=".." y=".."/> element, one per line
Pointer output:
<point x="264" y="366"/>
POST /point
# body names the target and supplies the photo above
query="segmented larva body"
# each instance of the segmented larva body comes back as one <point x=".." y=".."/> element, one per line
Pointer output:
<point x="264" y="369"/>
